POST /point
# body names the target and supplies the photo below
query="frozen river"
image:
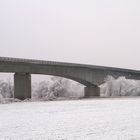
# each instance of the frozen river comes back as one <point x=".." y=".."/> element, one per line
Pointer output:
<point x="94" y="119"/>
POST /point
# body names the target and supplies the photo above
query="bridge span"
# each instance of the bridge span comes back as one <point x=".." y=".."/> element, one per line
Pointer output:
<point x="89" y="75"/>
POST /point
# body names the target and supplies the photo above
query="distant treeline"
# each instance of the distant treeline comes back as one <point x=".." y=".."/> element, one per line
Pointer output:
<point x="61" y="87"/>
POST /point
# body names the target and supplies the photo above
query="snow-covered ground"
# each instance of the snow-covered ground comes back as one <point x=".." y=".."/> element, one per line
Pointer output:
<point x="93" y="119"/>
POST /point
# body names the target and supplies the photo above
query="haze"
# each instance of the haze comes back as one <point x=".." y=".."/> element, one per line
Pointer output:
<point x="98" y="32"/>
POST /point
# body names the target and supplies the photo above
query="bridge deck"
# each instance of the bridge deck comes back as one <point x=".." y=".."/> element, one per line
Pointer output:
<point x="43" y="62"/>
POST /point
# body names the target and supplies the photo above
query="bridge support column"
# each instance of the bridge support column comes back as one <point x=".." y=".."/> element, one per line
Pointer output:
<point x="22" y="86"/>
<point x="91" y="91"/>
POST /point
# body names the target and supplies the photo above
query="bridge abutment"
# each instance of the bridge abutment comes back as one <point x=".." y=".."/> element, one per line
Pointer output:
<point x="22" y="86"/>
<point x="90" y="91"/>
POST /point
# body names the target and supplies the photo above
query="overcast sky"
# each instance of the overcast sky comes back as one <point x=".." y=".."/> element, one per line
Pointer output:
<point x="98" y="32"/>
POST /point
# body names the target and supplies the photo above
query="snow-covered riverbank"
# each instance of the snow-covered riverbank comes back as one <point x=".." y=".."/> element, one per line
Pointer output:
<point x="93" y="119"/>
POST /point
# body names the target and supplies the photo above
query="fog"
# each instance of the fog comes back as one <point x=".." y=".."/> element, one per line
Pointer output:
<point x="98" y="32"/>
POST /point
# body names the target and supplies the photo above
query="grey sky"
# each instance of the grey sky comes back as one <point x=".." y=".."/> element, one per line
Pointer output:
<point x="98" y="32"/>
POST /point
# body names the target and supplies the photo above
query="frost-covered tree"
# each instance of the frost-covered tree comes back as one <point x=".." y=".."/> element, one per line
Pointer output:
<point x="60" y="86"/>
<point x="41" y="90"/>
<point x="6" y="88"/>
<point x="57" y="87"/>
<point x="63" y="87"/>
<point x="120" y="87"/>
<point x="106" y="88"/>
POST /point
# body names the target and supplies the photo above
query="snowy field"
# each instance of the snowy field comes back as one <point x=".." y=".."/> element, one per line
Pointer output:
<point x="93" y="119"/>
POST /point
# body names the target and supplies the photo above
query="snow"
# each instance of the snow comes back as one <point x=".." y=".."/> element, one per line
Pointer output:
<point x="88" y="119"/>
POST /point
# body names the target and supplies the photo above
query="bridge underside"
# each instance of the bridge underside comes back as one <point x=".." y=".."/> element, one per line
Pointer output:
<point x="22" y="87"/>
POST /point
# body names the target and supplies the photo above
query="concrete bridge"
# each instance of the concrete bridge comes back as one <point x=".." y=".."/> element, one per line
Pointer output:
<point x="89" y="75"/>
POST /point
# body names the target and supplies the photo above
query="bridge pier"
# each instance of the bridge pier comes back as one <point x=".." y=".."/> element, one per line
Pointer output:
<point x="90" y="91"/>
<point x="22" y="86"/>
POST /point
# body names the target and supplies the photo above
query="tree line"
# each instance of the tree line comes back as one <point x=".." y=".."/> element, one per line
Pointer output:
<point x="60" y="87"/>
